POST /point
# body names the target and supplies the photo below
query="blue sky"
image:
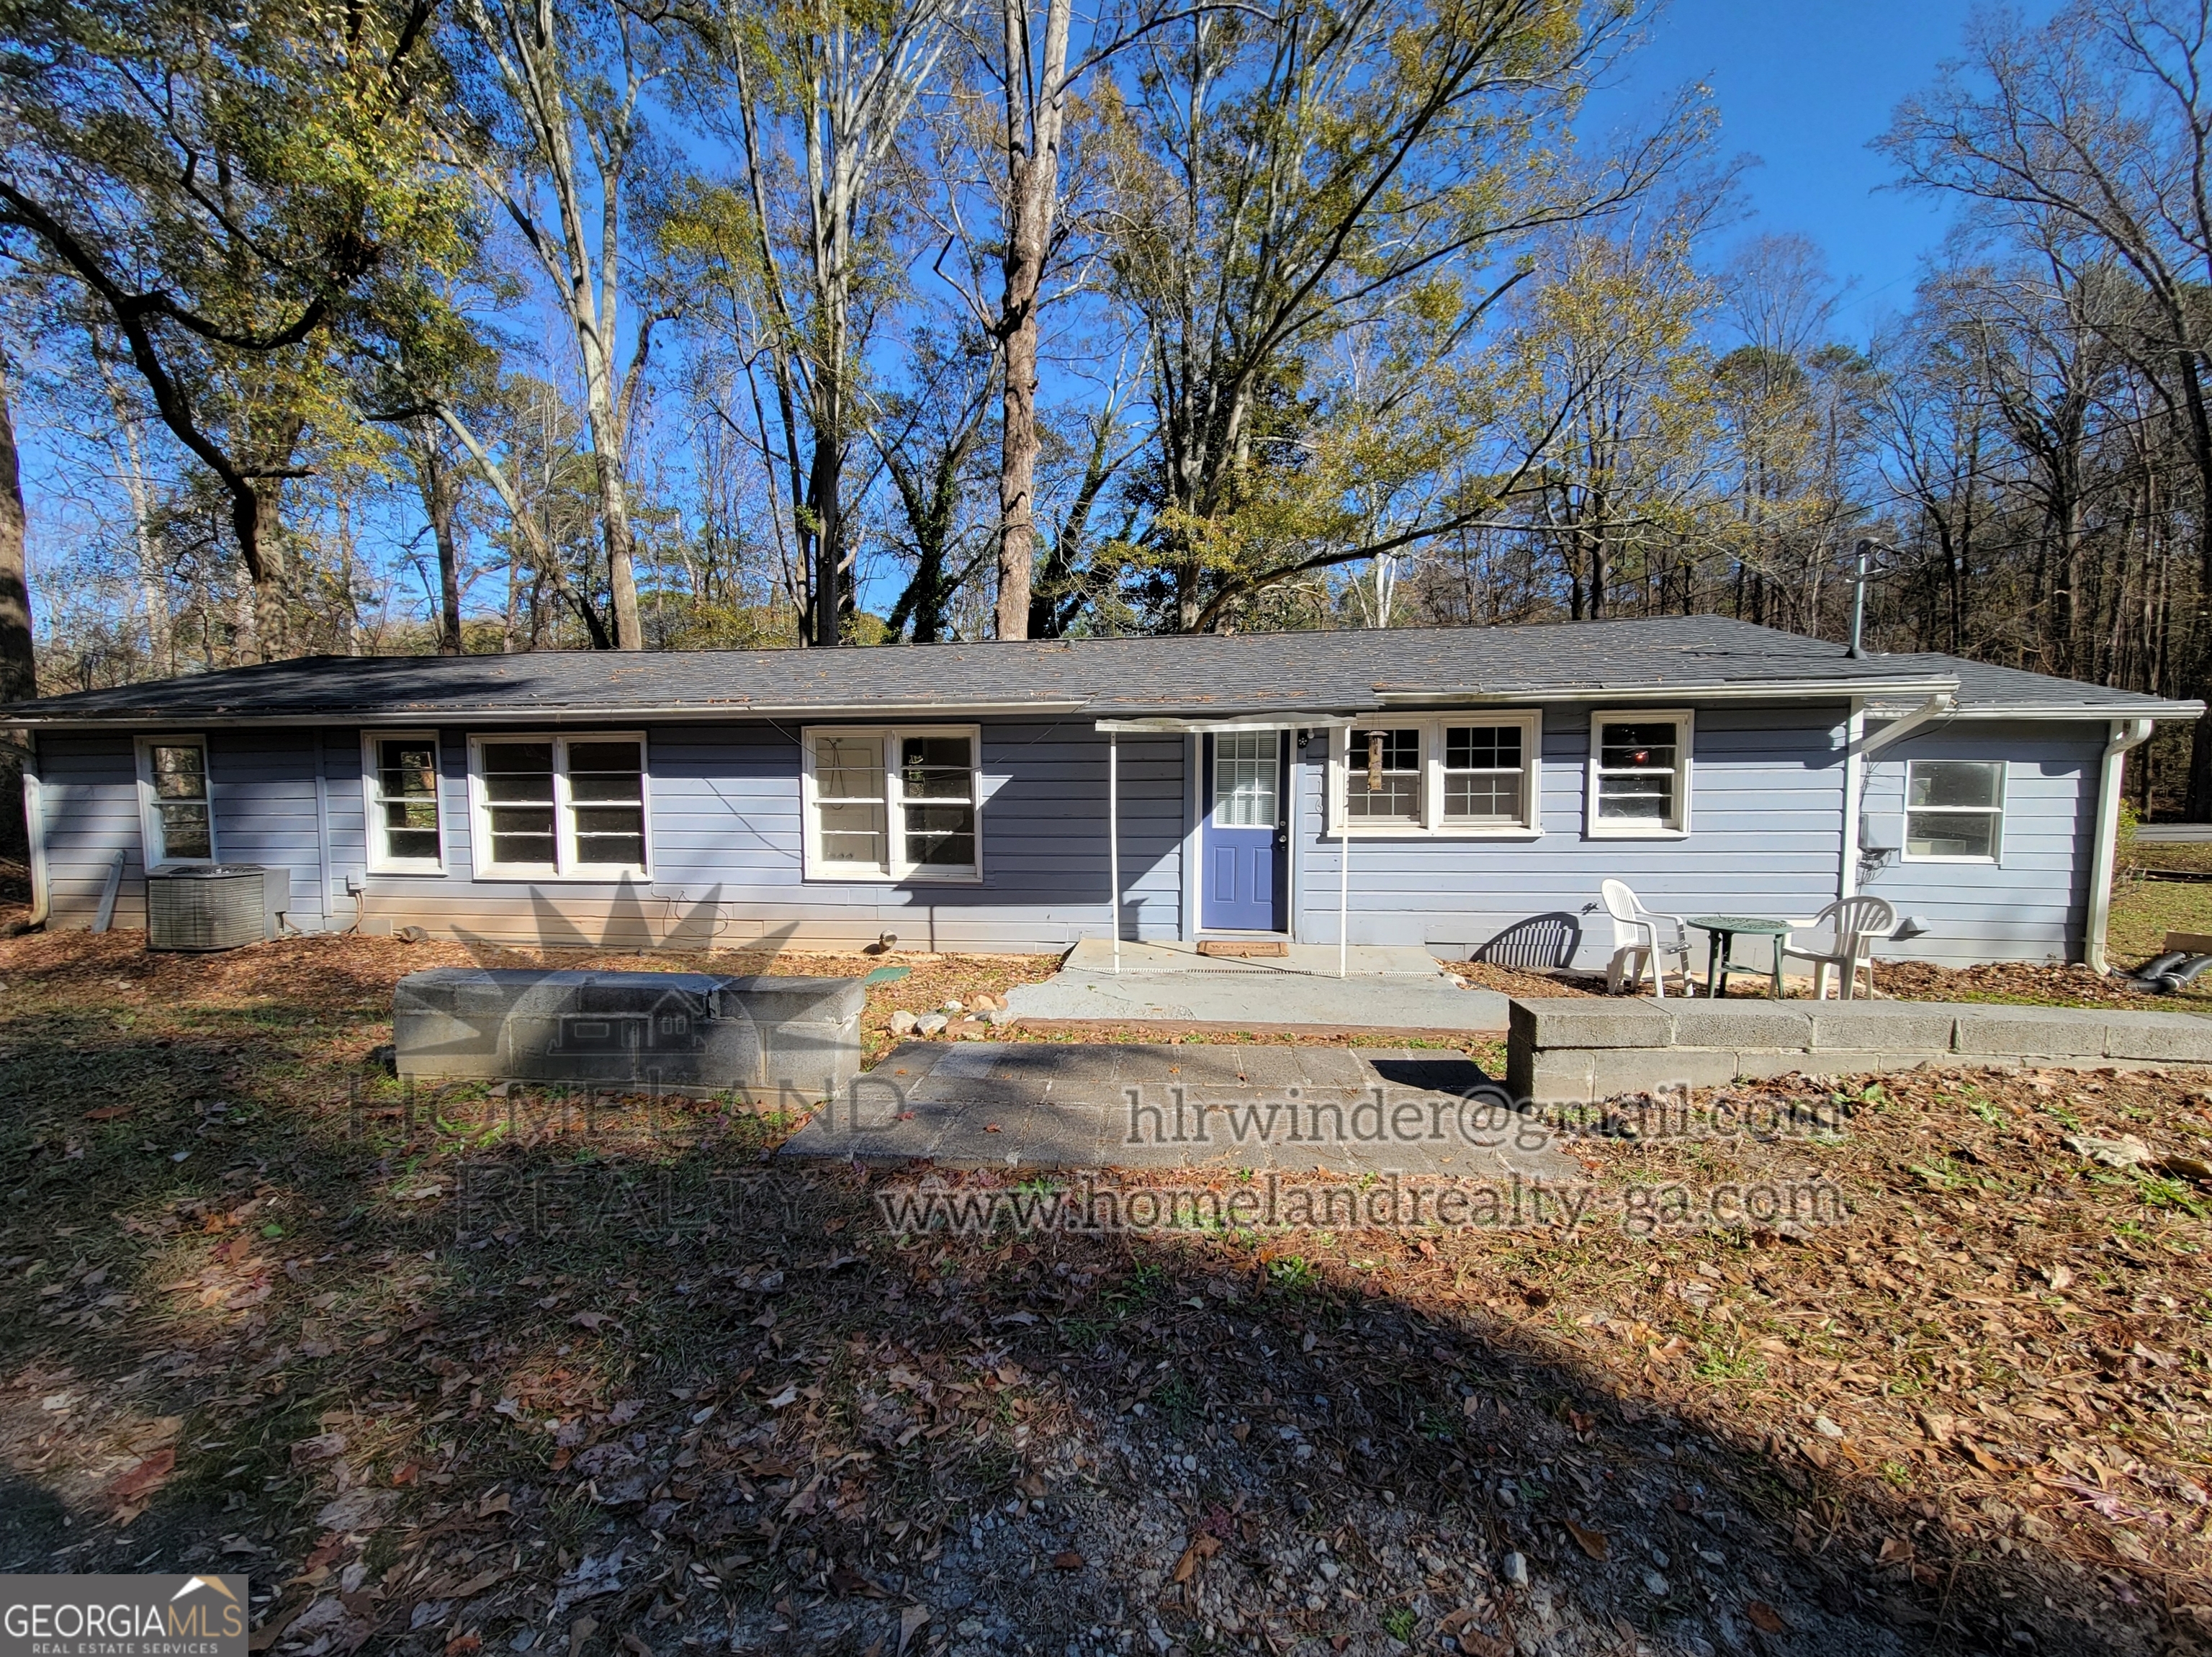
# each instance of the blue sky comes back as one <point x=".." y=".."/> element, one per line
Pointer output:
<point x="1803" y="85"/>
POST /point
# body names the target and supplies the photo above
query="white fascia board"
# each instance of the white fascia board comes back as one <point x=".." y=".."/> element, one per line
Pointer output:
<point x="417" y="718"/>
<point x="1802" y="688"/>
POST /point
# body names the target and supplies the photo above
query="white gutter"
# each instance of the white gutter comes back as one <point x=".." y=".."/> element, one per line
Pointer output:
<point x="2126" y="733"/>
<point x="1771" y="691"/>
<point x="527" y="715"/>
<point x="1206" y="726"/>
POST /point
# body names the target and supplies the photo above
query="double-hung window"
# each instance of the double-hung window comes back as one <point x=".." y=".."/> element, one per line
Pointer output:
<point x="400" y="769"/>
<point x="1953" y="810"/>
<point x="559" y="807"/>
<point x="1639" y="775"/>
<point x="176" y="803"/>
<point x="1461" y="774"/>
<point x="893" y="803"/>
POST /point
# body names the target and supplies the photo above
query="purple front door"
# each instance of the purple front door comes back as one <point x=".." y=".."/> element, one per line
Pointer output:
<point x="1237" y="840"/>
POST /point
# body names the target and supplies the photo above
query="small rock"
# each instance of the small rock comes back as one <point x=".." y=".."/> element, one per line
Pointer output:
<point x="984" y="1002"/>
<point x="930" y="1024"/>
<point x="1825" y="1427"/>
<point x="902" y="1022"/>
<point x="2125" y="1152"/>
<point x="953" y="1007"/>
<point x="999" y="1016"/>
<point x="1517" y="1570"/>
<point x="1655" y="1585"/>
<point x="1659" y="1558"/>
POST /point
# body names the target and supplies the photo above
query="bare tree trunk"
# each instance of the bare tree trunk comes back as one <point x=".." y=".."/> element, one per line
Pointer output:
<point x="440" y="500"/>
<point x="18" y="666"/>
<point x="1033" y="140"/>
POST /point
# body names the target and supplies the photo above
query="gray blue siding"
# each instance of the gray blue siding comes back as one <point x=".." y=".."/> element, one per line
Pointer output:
<point x="2031" y="904"/>
<point x="1766" y="812"/>
<point x="1765" y="819"/>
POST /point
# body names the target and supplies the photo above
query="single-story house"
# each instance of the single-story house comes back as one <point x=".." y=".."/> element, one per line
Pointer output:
<point x="1463" y="789"/>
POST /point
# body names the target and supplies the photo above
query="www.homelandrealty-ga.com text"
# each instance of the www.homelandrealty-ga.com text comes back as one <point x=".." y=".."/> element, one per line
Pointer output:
<point x="1269" y="1201"/>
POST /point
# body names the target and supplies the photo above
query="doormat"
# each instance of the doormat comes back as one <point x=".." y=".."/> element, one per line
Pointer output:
<point x="1242" y="947"/>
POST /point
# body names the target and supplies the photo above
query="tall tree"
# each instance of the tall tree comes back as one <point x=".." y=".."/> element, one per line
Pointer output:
<point x="1282" y="179"/>
<point x="561" y="91"/>
<point x="814" y="98"/>
<point x="2097" y="126"/>
<point x="230" y="183"/>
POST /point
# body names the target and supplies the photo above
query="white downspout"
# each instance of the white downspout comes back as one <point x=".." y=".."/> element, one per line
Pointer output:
<point x="2125" y="733"/>
<point x="1114" y="839"/>
<point x="1344" y="885"/>
<point x="34" y="816"/>
<point x="1847" y="876"/>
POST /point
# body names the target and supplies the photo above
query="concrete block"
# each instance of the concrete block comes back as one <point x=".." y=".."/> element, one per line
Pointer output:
<point x="1866" y="1025"/>
<point x="1615" y="1071"/>
<point x="2180" y="1037"/>
<point x="1561" y="1077"/>
<point x="677" y="1030"/>
<point x="1569" y="1021"/>
<point x="1771" y="1024"/>
<point x="2052" y="1031"/>
<point x="1850" y="1062"/>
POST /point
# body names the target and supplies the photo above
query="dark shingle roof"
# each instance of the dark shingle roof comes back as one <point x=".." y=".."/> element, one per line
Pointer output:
<point x="1209" y="675"/>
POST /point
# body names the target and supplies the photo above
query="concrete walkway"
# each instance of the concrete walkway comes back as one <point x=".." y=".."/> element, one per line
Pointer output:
<point x="1385" y="988"/>
<point x="1048" y="1104"/>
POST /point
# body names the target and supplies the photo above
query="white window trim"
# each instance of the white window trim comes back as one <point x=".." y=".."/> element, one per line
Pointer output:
<point x="1685" y="722"/>
<point x="372" y="799"/>
<point x="1997" y="840"/>
<point x="150" y="831"/>
<point x="564" y="816"/>
<point x="1433" y="825"/>
<point x="900" y="871"/>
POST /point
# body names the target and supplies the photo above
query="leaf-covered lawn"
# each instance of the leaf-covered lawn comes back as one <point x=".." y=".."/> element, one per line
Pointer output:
<point x="460" y="1372"/>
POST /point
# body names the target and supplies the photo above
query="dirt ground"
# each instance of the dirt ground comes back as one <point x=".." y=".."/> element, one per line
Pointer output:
<point x="451" y="1372"/>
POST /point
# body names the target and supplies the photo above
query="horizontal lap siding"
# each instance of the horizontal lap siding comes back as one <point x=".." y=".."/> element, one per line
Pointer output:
<point x="264" y="784"/>
<point x="727" y="866"/>
<point x="1765" y="817"/>
<point x="90" y="788"/>
<point x="2030" y="905"/>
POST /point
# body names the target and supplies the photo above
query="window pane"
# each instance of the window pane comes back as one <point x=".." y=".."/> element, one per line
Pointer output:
<point x="1953" y="782"/>
<point x="1951" y="834"/>
<point x="522" y="834"/>
<point x="941" y="836"/>
<point x="1636" y="747"/>
<point x="848" y="768"/>
<point x="1245" y="765"/>
<point x="1492" y="799"/>
<point x="935" y="767"/>
<point x="1636" y="799"/>
<point x="521" y="772"/>
<point x="1482" y="747"/>
<point x="179" y="772"/>
<point x="1383" y="777"/>
<point x="185" y="830"/>
<point x="407" y="769"/>
<point x="853" y="833"/>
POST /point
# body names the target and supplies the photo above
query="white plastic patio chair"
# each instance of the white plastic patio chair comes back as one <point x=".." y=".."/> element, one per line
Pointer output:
<point x="1854" y="926"/>
<point x="1643" y="941"/>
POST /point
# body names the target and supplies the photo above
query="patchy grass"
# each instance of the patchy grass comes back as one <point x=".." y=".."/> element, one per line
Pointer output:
<point x="442" y="1370"/>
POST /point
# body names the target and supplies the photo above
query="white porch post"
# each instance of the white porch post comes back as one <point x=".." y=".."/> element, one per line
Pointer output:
<point x="1344" y="893"/>
<point x="1114" y="839"/>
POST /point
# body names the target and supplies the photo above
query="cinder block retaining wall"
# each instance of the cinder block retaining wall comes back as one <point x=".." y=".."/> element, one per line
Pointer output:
<point x="1573" y="1051"/>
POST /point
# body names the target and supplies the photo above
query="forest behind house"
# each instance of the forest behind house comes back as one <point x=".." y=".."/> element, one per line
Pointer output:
<point x="387" y="326"/>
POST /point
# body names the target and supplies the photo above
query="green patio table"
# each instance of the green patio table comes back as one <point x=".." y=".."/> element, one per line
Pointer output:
<point x="1725" y="931"/>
